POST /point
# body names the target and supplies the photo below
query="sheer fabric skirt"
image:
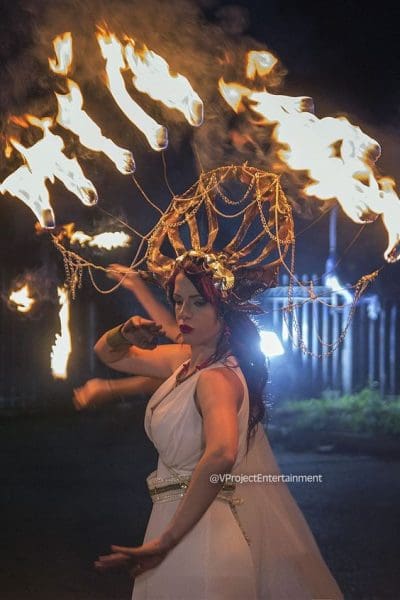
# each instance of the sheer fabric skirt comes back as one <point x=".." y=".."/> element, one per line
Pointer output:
<point x="261" y="549"/>
<point x="212" y="562"/>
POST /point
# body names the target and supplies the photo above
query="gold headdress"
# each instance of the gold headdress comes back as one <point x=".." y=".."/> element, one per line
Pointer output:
<point x="192" y="228"/>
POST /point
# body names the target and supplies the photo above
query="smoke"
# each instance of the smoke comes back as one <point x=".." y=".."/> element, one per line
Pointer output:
<point x="200" y="40"/>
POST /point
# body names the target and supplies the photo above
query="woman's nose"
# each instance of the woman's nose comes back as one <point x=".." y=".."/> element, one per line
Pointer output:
<point x="184" y="310"/>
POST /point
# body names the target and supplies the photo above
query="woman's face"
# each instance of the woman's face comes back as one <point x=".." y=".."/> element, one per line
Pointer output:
<point x="196" y="318"/>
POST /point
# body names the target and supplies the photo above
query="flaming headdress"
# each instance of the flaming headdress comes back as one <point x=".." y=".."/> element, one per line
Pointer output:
<point x="192" y="227"/>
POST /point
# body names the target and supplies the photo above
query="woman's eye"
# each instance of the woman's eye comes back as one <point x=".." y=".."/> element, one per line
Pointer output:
<point x="200" y="303"/>
<point x="177" y="302"/>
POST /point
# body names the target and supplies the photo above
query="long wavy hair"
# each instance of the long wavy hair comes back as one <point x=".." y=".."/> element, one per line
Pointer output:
<point x="239" y="337"/>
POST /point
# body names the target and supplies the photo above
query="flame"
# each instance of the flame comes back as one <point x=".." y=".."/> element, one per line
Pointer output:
<point x="272" y="107"/>
<point x="19" y="120"/>
<point x="106" y="240"/>
<point x="386" y="203"/>
<point x="71" y="116"/>
<point x="62" y="346"/>
<point x="63" y="50"/>
<point x="151" y="75"/>
<point x="22" y="299"/>
<point x="8" y="149"/>
<point x="111" y="50"/>
<point x="46" y="160"/>
<point x="259" y="63"/>
<point x="233" y="94"/>
<point x="337" y="155"/>
<point x="31" y="189"/>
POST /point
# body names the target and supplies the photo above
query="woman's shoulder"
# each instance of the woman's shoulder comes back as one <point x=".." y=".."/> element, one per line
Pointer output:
<point x="228" y="361"/>
<point x="222" y="383"/>
<point x="230" y="365"/>
<point x="226" y="369"/>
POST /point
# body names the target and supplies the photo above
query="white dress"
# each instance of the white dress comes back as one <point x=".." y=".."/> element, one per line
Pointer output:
<point x="258" y="547"/>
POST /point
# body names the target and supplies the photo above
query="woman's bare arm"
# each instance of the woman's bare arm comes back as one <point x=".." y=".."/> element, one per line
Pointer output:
<point x="131" y="386"/>
<point x="97" y="392"/>
<point x="159" y="361"/>
<point x="132" y="281"/>
<point x="219" y="394"/>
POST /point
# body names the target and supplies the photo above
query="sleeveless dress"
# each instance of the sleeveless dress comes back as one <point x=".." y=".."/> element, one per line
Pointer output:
<point x="255" y="545"/>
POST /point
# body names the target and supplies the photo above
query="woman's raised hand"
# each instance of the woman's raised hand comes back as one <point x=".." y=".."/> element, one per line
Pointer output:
<point x="142" y="332"/>
<point x="128" y="277"/>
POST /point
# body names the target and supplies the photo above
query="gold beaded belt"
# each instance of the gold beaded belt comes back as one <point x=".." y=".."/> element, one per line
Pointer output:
<point x="165" y="489"/>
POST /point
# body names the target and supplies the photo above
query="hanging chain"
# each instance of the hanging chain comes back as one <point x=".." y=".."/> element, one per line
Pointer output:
<point x="278" y="227"/>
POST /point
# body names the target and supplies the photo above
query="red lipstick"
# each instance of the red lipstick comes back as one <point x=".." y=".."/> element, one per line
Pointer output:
<point x="185" y="329"/>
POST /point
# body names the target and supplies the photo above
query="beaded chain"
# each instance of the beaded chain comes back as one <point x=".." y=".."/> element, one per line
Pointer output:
<point x="262" y="190"/>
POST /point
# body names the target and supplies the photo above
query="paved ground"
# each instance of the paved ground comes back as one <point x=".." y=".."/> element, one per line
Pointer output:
<point x="72" y="485"/>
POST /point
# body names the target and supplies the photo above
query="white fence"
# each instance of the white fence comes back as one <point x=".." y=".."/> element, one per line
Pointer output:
<point x="368" y="355"/>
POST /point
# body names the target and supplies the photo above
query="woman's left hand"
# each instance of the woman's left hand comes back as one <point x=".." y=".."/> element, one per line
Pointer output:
<point x="137" y="560"/>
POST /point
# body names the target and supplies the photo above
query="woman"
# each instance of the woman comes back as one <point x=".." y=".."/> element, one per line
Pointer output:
<point x="205" y="539"/>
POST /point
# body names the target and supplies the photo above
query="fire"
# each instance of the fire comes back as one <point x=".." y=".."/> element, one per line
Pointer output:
<point x="233" y="94"/>
<point x="31" y="188"/>
<point x="62" y="346"/>
<point x="152" y="75"/>
<point x="259" y="63"/>
<point x="72" y="116"/>
<point x="386" y="202"/>
<point x="63" y="50"/>
<point x="272" y="107"/>
<point x="46" y="160"/>
<point x="20" y="121"/>
<point x="338" y="156"/>
<point x="106" y="240"/>
<point x="111" y="50"/>
<point x="22" y="299"/>
<point x="8" y="149"/>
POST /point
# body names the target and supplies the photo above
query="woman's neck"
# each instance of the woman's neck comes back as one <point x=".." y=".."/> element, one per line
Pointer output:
<point x="200" y="354"/>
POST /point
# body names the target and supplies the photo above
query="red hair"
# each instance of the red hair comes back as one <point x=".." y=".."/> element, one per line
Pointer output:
<point x="200" y="278"/>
